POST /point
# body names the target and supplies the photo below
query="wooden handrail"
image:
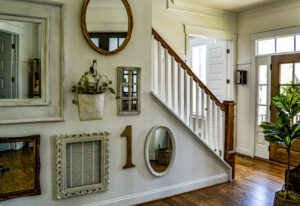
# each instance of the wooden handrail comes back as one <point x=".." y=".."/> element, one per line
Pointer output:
<point x="186" y="68"/>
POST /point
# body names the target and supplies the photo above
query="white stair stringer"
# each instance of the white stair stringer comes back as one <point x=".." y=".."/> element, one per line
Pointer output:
<point x="194" y="134"/>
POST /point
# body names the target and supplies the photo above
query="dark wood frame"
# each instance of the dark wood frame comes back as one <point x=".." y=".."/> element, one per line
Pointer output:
<point x="275" y="89"/>
<point x="87" y="36"/>
<point x="37" y="189"/>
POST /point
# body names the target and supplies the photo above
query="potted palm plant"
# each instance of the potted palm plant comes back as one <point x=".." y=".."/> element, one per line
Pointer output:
<point x="89" y="94"/>
<point x="285" y="131"/>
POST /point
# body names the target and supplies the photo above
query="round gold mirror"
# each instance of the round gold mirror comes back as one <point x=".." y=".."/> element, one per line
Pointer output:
<point x="107" y="24"/>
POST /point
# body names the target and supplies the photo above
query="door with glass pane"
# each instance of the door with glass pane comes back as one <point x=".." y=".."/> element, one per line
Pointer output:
<point x="263" y="104"/>
<point x="285" y="73"/>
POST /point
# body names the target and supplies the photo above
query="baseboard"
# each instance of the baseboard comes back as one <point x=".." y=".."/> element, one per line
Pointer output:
<point x="243" y="151"/>
<point x="164" y="191"/>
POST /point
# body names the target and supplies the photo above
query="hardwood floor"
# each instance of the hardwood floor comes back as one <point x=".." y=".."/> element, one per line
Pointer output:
<point x="255" y="185"/>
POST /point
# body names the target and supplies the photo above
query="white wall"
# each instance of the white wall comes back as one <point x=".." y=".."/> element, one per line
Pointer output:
<point x="275" y="16"/>
<point x="194" y="166"/>
<point x="169" y="23"/>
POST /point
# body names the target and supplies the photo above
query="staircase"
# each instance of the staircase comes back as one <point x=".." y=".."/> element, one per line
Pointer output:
<point x="180" y="91"/>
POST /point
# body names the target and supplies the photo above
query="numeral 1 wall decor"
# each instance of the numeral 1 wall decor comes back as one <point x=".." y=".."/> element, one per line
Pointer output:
<point x="128" y="134"/>
<point x="129" y="79"/>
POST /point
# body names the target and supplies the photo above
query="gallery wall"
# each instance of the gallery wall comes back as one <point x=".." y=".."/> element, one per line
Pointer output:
<point x="194" y="166"/>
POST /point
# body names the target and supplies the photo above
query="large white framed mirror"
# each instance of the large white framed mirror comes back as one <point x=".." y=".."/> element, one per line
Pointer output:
<point x="160" y="150"/>
<point x="31" y="61"/>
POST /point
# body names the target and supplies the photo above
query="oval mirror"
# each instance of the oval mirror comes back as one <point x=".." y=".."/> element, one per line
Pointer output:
<point x="107" y="24"/>
<point x="160" y="150"/>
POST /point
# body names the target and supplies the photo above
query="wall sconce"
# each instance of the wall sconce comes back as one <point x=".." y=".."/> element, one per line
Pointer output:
<point x="241" y="77"/>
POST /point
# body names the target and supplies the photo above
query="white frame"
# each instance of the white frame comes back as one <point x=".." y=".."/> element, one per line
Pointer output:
<point x="51" y="106"/>
<point x="147" y="161"/>
<point x="61" y="175"/>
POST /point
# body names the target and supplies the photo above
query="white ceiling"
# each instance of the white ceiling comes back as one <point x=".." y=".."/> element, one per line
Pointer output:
<point x="232" y="5"/>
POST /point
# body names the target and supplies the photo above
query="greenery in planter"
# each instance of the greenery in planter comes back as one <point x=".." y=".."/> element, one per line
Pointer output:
<point x="285" y="131"/>
<point x="92" y="82"/>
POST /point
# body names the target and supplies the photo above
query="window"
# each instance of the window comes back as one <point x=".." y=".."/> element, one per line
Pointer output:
<point x="129" y="90"/>
<point x="266" y="46"/>
<point x="283" y="44"/>
<point x="262" y="111"/>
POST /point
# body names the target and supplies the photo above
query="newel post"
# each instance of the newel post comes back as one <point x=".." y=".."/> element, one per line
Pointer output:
<point x="229" y="154"/>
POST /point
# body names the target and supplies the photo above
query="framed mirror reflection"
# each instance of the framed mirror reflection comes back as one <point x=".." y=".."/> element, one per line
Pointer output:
<point x="22" y="59"/>
<point x="107" y="24"/>
<point x="160" y="150"/>
<point x="20" y="162"/>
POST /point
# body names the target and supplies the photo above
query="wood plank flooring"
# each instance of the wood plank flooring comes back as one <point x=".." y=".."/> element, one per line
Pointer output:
<point x="255" y="185"/>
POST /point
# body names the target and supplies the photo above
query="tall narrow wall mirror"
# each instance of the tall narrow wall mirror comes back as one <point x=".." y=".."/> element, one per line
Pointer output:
<point x="107" y="24"/>
<point x="31" y="61"/>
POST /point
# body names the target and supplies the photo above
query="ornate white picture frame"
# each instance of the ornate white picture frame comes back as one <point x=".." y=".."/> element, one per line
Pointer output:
<point x="82" y="164"/>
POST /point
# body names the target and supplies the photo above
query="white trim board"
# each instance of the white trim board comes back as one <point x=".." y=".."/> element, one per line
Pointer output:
<point x="276" y="33"/>
<point x="197" y="9"/>
<point x="214" y="33"/>
<point x="164" y="192"/>
<point x="244" y="151"/>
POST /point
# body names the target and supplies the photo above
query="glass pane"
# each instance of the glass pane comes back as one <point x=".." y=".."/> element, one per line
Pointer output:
<point x="125" y="77"/>
<point x="297" y="118"/>
<point x="297" y="73"/>
<point x="134" y="90"/>
<point x="262" y="114"/>
<point x="113" y="44"/>
<point x="134" y="105"/>
<point x="125" y="91"/>
<point x="262" y="95"/>
<point x="298" y="42"/>
<point x="286" y="73"/>
<point x="95" y="41"/>
<point x="134" y="77"/>
<point x="121" y="40"/>
<point x="263" y="74"/>
<point x="285" y="44"/>
<point x="266" y="46"/>
<point x="125" y="105"/>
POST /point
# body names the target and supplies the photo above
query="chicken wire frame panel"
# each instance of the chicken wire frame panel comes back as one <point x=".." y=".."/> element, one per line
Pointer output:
<point x="63" y="192"/>
<point x="121" y="71"/>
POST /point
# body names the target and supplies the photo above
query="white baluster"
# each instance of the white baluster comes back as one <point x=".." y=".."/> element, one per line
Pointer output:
<point x="153" y="64"/>
<point x="203" y="129"/>
<point x="159" y="71"/>
<point x="213" y="125"/>
<point x="173" y="77"/>
<point x="218" y="130"/>
<point x="179" y="106"/>
<point x="222" y="134"/>
<point x="166" y="77"/>
<point x="208" y="137"/>
<point x="197" y="110"/>
<point x="185" y="98"/>
<point x="191" y="115"/>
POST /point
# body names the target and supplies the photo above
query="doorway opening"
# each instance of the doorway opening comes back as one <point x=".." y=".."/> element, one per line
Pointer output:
<point x="211" y="60"/>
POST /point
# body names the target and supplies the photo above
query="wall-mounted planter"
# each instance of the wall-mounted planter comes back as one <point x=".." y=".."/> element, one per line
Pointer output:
<point x="91" y="106"/>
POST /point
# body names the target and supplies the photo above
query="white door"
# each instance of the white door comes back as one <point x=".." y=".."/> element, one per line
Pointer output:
<point x="7" y="73"/>
<point x="216" y="69"/>
<point x="263" y="105"/>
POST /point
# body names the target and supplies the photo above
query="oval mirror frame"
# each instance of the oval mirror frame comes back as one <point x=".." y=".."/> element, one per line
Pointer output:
<point x="87" y="36"/>
<point x="148" y="140"/>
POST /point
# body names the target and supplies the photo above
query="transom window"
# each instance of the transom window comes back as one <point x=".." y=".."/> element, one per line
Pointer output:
<point x="283" y="44"/>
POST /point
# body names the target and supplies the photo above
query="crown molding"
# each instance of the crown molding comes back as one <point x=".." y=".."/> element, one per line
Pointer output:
<point x="269" y="9"/>
<point x="197" y="9"/>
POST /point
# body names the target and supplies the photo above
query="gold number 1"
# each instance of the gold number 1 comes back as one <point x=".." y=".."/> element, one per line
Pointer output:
<point x="128" y="134"/>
